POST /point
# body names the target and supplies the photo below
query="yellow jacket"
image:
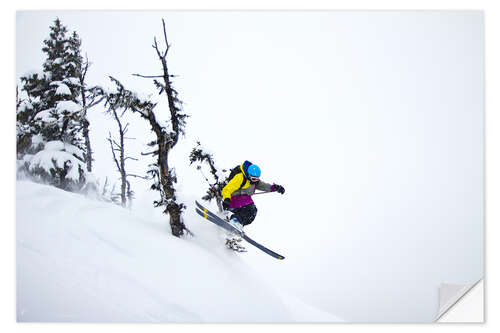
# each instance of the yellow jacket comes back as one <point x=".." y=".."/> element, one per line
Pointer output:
<point x="233" y="187"/>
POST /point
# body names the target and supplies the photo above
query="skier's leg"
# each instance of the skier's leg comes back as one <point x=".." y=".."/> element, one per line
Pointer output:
<point x="245" y="214"/>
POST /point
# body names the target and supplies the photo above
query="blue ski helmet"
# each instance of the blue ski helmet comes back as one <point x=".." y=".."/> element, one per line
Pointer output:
<point x="253" y="171"/>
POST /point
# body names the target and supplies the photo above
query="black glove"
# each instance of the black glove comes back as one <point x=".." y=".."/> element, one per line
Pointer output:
<point x="279" y="189"/>
<point x="225" y="204"/>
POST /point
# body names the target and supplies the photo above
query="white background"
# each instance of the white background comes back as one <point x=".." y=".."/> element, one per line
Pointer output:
<point x="275" y="173"/>
<point x="393" y="100"/>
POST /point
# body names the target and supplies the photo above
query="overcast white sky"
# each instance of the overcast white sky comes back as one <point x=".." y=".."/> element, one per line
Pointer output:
<point x="373" y="122"/>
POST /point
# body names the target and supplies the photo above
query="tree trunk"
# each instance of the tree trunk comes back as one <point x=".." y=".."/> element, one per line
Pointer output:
<point x="85" y="122"/>
<point x="176" y="224"/>
<point x="121" y="167"/>
<point x="173" y="209"/>
<point x="166" y="140"/>
<point x="86" y="135"/>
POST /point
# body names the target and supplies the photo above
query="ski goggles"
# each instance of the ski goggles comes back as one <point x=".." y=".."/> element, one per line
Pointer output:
<point x="254" y="179"/>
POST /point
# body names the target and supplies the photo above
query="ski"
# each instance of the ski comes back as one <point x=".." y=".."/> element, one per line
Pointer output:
<point x="230" y="244"/>
<point x="217" y="220"/>
<point x="208" y="215"/>
<point x="205" y="210"/>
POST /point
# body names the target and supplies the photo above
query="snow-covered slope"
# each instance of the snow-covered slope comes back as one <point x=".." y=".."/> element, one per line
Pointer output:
<point x="81" y="260"/>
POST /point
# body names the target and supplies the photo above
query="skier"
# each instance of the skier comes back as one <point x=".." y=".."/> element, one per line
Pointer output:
<point x="237" y="194"/>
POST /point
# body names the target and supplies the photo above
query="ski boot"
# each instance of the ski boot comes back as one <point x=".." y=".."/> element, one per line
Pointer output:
<point x="233" y="239"/>
<point x="234" y="222"/>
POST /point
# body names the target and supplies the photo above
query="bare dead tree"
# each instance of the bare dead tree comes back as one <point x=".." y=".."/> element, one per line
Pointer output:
<point x="90" y="97"/>
<point x="120" y="165"/>
<point x="84" y="121"/>
<point x="166" y="139"/>
<point x="121" y="100"/>
<point x="105" y="188"/>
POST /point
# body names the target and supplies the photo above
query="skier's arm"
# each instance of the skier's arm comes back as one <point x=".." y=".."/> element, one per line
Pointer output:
<point x="232" y="186"/>
<point x="269" y="188"/>
<point x="263" y="186"/>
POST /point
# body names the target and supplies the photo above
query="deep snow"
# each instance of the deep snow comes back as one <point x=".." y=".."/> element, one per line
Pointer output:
<point x="82" y="260"/>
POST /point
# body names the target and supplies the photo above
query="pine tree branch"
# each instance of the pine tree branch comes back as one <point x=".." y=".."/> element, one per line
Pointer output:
<point x="125" y="128"/>
<point x="148" y="76"/>
<point x="153" y="76"/>
<point x="150" y="153"/>
<point x="137" y="176"/>
<point x="118" y="146"/>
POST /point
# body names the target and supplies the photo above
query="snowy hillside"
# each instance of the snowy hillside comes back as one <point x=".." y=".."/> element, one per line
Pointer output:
<point x="81" y="260"/>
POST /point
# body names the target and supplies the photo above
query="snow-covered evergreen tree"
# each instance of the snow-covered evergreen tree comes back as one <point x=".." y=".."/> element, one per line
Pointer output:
<point x="51" y="115"/>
